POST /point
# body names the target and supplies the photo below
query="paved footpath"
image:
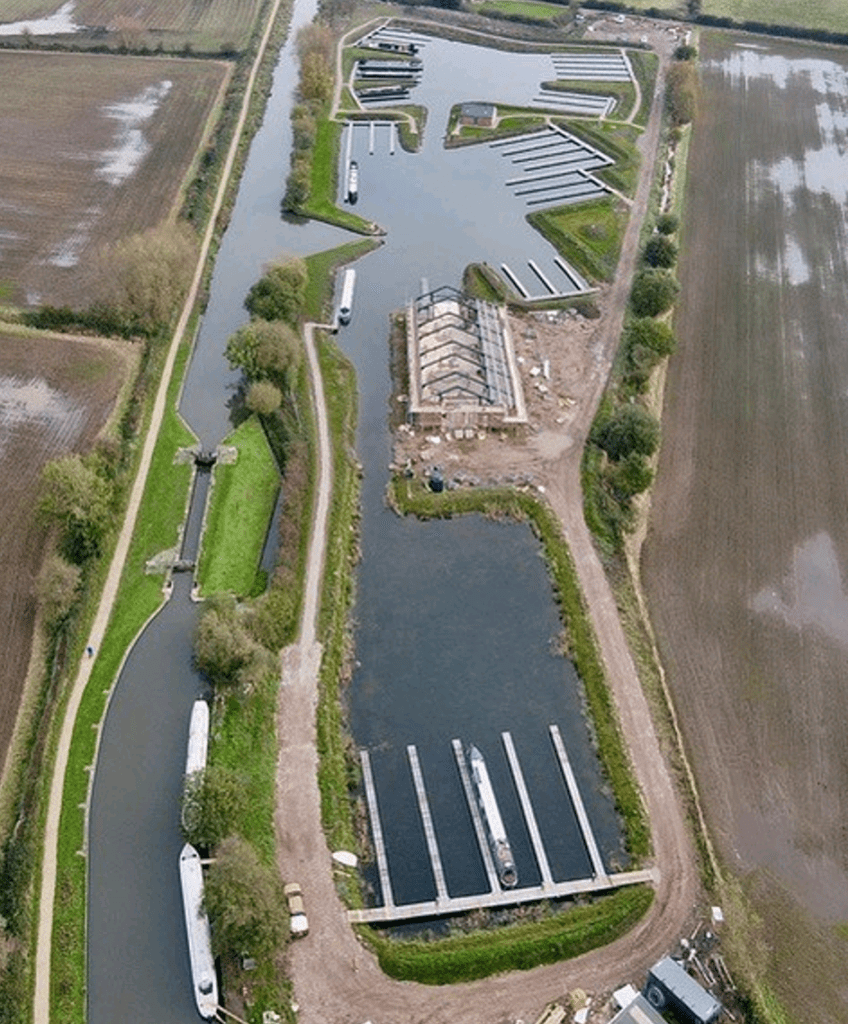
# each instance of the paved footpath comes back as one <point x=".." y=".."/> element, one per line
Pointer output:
<point x="41" y="1004"/>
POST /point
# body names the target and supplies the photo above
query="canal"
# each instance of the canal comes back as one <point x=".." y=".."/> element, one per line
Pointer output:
<point x="456" y="626"/>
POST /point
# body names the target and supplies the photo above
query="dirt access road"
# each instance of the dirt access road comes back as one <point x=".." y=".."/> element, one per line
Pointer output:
<point x="335" y="978"/>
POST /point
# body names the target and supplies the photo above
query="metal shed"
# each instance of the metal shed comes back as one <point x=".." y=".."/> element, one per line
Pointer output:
<point x="669" y="986"/>
<point x="639" y="1011"/>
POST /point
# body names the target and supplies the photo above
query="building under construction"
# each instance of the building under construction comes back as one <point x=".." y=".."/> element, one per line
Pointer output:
<point x="462" y="369"/>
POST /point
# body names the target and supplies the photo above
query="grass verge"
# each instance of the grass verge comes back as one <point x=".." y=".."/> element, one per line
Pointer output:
<point x="558" y="936"/>
<point x="241" y="504"/>
<point x="337" y="775"/>
<point x="160" y="517"/>
<point x="321" y="204"/>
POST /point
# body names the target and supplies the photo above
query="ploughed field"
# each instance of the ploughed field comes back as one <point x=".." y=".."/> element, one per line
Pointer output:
<point x="747" y="553"/>
<point x="56" y="395"/>
<point x="94" y="148"/>
<point x="209" y="26"/>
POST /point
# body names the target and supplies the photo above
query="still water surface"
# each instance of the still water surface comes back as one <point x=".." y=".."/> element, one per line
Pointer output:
<point x="455" y="619"/>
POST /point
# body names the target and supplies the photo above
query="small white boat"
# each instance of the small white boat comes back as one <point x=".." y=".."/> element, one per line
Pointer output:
<point x="353" y="182"/>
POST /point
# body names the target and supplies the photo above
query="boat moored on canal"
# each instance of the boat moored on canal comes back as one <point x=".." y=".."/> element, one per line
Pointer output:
<point x="501" y="851"/>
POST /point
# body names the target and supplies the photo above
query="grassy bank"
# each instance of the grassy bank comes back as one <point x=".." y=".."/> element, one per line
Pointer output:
<point x="413" y="497"/>
<point x="337" y="772"/>
<point x="588" y="235"/>
<point x="556" y="935"/>
<point x="242" y="493"/>
<point x="159" y="520"/>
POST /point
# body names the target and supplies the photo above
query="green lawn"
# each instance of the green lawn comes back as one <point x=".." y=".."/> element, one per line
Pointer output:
<point x="524" y="9"/>
<point x="588" y="235"/>
<point x="241" y="503"/>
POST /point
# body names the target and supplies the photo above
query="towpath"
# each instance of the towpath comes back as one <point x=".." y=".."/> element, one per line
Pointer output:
<point x="44" y="935"/>
<point x="335" y="977"/>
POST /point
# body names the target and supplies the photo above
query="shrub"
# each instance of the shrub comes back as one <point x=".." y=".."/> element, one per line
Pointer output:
<point x="56" y="589"/>
<point x="224" y="649"/>
<point x="265" y="351"/>
<point x="655" y="335"/>
<point x="212" y="802"/>
<point x="244" y="900"/>
<point x="660" y="251"/>
<point x="77" y="500"/>
<point x="630" y="428"/>
<point x="263" y="398"/>
<point x="667" y="223"/>
<point x="280" y="293"/>
<point x="680" y="92"/>
<point x="653" y="292"/>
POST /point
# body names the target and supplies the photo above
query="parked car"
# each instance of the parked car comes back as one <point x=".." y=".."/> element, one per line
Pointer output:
<point x="298" y="923"/>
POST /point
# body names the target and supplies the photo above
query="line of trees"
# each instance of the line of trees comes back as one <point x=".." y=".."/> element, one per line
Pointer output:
<point x="625" y="434"/>
<point x="314" y="93"/>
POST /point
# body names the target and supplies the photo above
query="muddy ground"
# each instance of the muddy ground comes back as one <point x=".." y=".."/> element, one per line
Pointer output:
<point x="748" y="543"/>
<point x="560" y="359"/>
<point x="95" y="148"/>
<point x="56" y="395"/>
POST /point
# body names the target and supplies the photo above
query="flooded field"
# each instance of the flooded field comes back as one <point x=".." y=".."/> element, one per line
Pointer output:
<point x="86" y="165"/>
<point x="55" y="396"/>
<point x="748" y="545"/>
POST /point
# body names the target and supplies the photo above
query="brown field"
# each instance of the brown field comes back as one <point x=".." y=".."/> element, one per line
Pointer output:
<point x="206" y="27"/>
<point x="94" y="148"/>
<point x="56" y="395"/>
<point x="748" y="541"/>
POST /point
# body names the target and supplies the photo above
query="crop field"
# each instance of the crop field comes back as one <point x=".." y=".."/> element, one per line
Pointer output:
<point x="94" y="148"/>
<point x="746" y="560"/>
<point x="208" y="27"/>
<point x="56" y="395"/>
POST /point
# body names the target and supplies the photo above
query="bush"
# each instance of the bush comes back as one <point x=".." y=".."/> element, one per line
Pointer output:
<point x="667" y="223"/>
<point x="653" y="292"/>
<point x="245" y="902"/>
<point x="77" y="500"/>
<point x="212" y="802"/>
<point x="630" y="428"/>
<point x="680" y="93"/>
<point x="56" y="589"/>
<point x="263" y="398"/>
<point x="655" y="335"/>
<point x="265" y="351"/>
<point x="224" y="649"/>
<point x="280" y="293"/>
<point x="660" y="251"/>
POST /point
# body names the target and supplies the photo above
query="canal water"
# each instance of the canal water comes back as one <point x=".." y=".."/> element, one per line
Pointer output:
<point x="456" y="623"/>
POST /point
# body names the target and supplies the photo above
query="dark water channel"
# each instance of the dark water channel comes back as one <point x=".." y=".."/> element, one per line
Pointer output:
<point x="455" y="619"/>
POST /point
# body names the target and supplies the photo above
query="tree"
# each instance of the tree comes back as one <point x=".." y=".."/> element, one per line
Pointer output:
<point x="57" y="588"/>
<point x="653" y="334"/>
<point x="146" y="276"/>
<point x="244" y="900"/>
<point x="266" y="352"/>
<point x="629" y="477"/>
<point x="680" y="92"/>
<point x="631" y="428"/>
<point x="298" y="183"/>
<point x="213" y="799"/>
<point x="263" y="398"/>
<point x="653" y="292"/>
<point x="667" y="223"/>
<point x="280" y="293"/>
<point x="225" y="651"/>
<point x="77" y="500"/>
<point x="660" y="251"/>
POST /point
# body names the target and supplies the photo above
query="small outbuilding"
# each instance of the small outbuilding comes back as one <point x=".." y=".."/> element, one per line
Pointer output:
<point x="481" y="115"/>
<point x="669" y="986"/>
<point x="638" y="1011"/>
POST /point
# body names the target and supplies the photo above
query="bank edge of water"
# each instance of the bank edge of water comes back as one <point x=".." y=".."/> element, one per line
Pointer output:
<point x="67" y="982"/>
